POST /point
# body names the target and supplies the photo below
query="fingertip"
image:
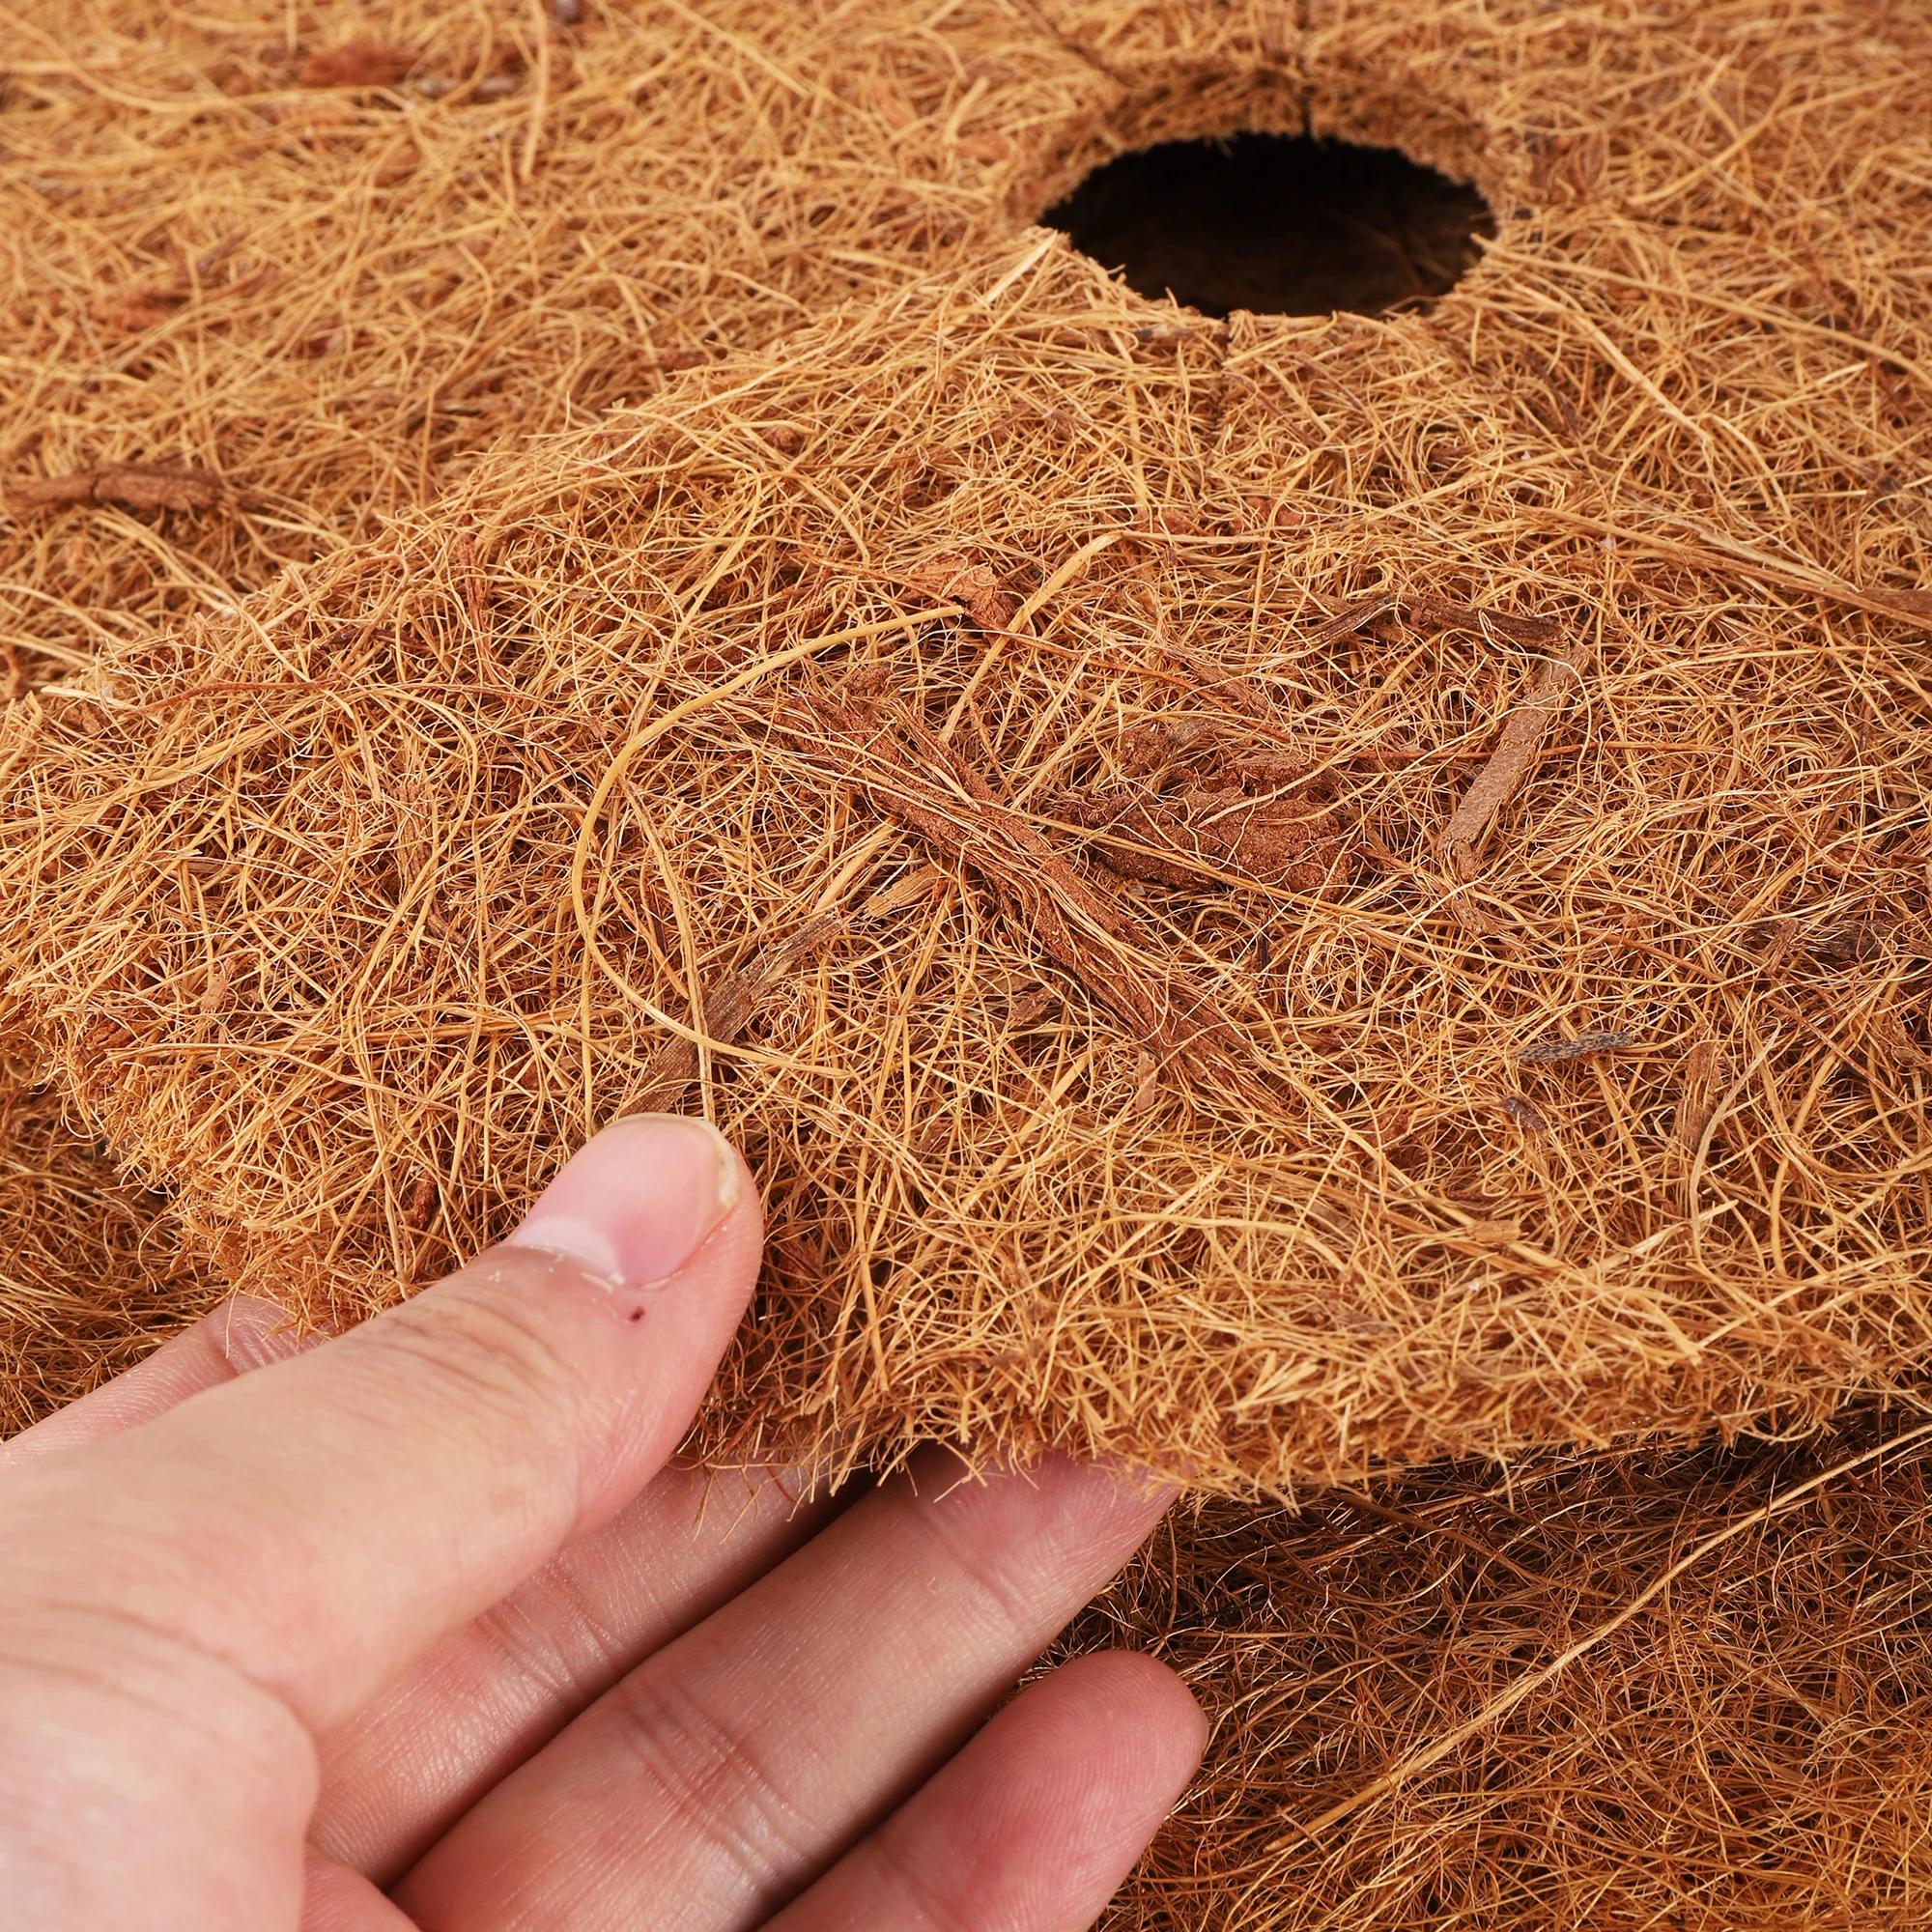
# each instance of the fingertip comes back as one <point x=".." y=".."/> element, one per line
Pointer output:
<point x="1067" y="1786"/>
<point x="1037" y="1822"/>
<point x="1108" y="1505"/>
<point x="659" y="1219"/>
<point x="247" y="1333"/>
<point x="1131" y="1694"/>
<point x="637" y="1201"/>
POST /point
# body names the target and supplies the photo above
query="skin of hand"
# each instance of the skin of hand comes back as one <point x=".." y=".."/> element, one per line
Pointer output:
<point x="415" y="1627"/>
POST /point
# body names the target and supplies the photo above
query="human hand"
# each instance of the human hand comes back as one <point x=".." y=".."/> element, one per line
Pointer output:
<point x="413" y="1628"/>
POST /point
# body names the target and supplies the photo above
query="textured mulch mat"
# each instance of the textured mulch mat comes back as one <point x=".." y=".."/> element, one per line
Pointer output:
<point x="1282" y="895"/>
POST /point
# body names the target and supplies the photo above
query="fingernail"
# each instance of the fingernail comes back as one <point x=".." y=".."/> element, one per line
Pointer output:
<point x="639" y="1201"/>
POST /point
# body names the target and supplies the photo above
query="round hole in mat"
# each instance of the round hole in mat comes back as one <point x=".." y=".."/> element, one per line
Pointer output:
<point x="1279" y="223"/>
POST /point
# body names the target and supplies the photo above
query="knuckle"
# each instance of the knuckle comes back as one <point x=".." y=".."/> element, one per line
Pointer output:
<point x="549" y="1634"/>
<point x="164" y="1715"/>
<point x="713" y="1791"/>
<point x="476" y="1349"/>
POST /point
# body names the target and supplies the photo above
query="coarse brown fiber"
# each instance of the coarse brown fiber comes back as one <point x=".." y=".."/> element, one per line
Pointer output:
<point x="271" y="271"/>
<point x="1269" y="897"/>
<point x="1747" y="1749"/>
<point x="1095" y="690"/>
<point x="92" y="1271"/>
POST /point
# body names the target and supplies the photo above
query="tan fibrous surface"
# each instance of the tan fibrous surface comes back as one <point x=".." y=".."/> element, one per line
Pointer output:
<point x="349" y="915"/>
<point x="316" y="259"/>
<point x="1750" y="1746"/>
<point x="92" y="1273"/>
<point x="272" y="271"/>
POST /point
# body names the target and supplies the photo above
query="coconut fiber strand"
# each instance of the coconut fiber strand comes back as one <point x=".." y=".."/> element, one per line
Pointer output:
<point x="1470" y="1701"/>
<point x="1264" y="895"/>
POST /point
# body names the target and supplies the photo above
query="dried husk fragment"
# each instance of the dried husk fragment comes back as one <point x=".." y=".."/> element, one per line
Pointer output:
<point x="134" y="486"/>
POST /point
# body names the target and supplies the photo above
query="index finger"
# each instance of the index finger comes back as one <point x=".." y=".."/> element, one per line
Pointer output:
<point x="317" y="1524"/>
<point x="240" y="1336"/>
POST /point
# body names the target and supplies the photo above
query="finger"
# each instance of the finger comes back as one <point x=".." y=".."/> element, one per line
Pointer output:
<point x="493" y="1694"/>
<point x="494" y="1691"/>
<point x="313" y="1527"/>
<point x="241" y="1335"/>
<point x="1033" y="1827"/>
<point x="737" y="1763"/>
<point x="336" y="1899"/>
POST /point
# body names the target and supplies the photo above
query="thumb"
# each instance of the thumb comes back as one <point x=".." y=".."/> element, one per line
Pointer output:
<point x="185" y="1605"/>
<point x="317" y="1524"/>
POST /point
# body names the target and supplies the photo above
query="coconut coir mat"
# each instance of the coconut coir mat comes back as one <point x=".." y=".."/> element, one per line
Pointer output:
<point x="1262" y="843"/>
<point x="1762" y="836"/>
<point x="292" y="123"/>
<point x="273" y="271"/>
<point x="1222" y="954"/>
